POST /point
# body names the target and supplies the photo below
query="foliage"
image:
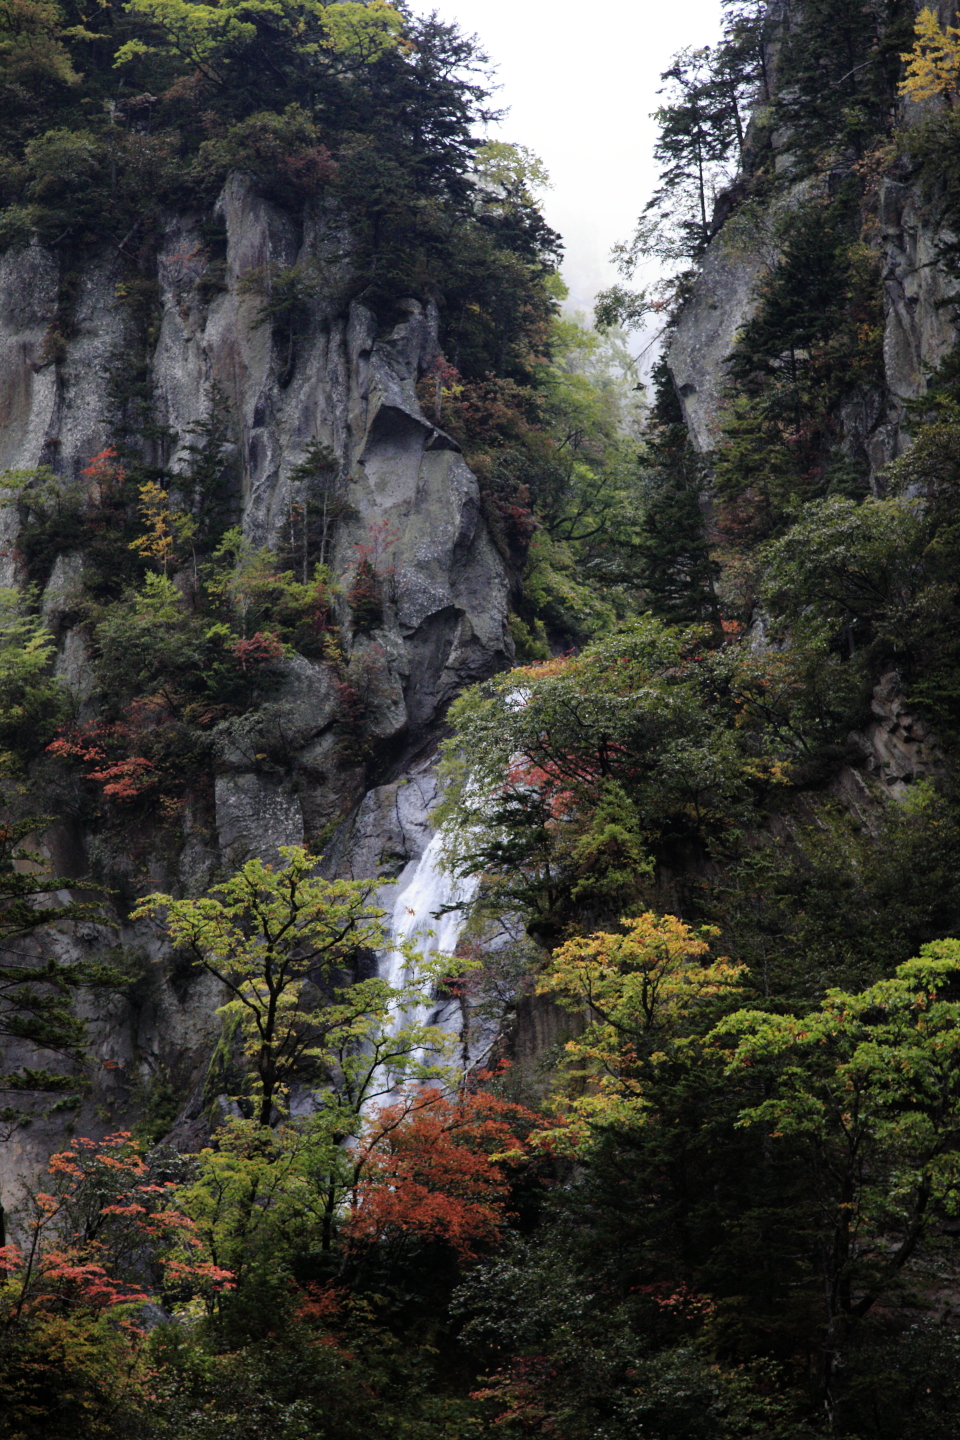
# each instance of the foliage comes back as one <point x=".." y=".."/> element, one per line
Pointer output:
<point x="751" y="1227"/>
<point x="437" y="1169"/>
<point x="568" y="779"/>
<point x="932" y="66"/>
<point x="813" y="344"/>
<point x="565" y="1346"/>
<point x="300" y="1219"/>
<point x="72" y="1281"/>
<point x="639" y="990"/>
<point x="834" y="902"/>
<point x="212" y="40"/>
<point x="336" y="1372"/>
<point x="851" y="571"/>
<point x="37" y="989"/>
<point x="92" y="512"/>
<point x="32" y="702"/>
<point x="163" y="529"/>
<point x="676" y="568"/>
<point x="557" y="471"/>
<point x="370" y="586"/>
<point x="175" y="659"/>
<point x="869" y="1087"/>
<point x="838" y="70"/>
<point x="879" y="576"/>
<point x="167" y="676"/>
<point x="285" y="942"/>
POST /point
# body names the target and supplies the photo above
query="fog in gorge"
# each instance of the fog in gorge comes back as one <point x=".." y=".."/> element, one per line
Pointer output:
<point x="580" y="88"/>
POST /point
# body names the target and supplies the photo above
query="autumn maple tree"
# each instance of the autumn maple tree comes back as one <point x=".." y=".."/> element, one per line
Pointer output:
<point x="84" y="1254"/>
<point x="645" y="991"/>
<point x="437" y="1167"/>
<point x="430" y="1168"/>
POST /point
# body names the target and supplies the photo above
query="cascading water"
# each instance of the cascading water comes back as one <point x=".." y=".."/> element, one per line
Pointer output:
<point x="427" y="911"/>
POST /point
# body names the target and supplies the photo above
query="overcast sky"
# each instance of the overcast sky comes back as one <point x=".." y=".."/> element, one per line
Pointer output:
<point x="580" y="82"/>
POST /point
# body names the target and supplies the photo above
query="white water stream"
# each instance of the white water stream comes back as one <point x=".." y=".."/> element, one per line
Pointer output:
<point x="423" y="891"/>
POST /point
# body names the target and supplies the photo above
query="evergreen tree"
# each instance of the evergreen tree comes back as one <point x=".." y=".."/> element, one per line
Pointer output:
<point x="36" y="989"/>
<point x="837" y="77"/>
<point x="678" y="574"/>
<point x="700" y="129"/>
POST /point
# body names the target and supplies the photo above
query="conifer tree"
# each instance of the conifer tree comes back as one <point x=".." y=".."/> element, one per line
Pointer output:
<point x="677" y="572"/>
<point x="36" y="989"/>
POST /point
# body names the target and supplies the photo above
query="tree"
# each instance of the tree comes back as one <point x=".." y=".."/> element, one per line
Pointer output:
<point x="37" y="990"/>
<point x="643" y="991"/>
<point x="318" y="470"/>
<point x="868" y="1088"/>
<point x="89" y="1250"/>
<point x="851" y="569"/>
<point x="699" y="127"/>
<point x="32" y="47"/>
<point x="204" y="476"/>
<point x="571" y="783"/>
<point x="285" y="943"/>
<point x="701" y="144"/>
<point x="342" y="36"/>
<point x="813" y="343"/>
<point x="249" y="579"/>
<point x="32" y="702"/>
<point x="676" y="569"/>
<point x="837" y="72"/>
<point x="164" y="528"/>
<point x="933" y="65"/>
<point x="294" y="1209"/>
<point x="436" y="1168"/>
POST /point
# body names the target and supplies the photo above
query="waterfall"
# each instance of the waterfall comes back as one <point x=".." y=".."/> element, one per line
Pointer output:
<point x="423" y="890"/>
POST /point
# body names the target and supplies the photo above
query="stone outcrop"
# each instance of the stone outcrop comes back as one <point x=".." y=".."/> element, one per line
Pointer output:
<point x="900" y="748"/>
<point x="339" y="383"/>
<point x="280" y="775"/>
<point x="722" y="300"/>
<point x="918" y="331"/>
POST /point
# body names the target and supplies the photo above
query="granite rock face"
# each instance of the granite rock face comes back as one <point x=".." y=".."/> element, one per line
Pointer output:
<point x="900" y="748"/>
<point x="722" y="300"/>
<point x="919" y="296"/>
<point x="917" y="333"/>
<point x="917" y="329"/>
<point x="282" y="773"/>
<point x="339" y="383"/>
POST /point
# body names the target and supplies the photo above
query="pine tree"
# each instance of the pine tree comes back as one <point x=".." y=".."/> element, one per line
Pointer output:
<point x="678" y="574"/>
<point x="37" y="990"/>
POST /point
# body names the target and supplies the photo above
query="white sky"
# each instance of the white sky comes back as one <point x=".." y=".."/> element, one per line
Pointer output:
<point x="580" y="81"/>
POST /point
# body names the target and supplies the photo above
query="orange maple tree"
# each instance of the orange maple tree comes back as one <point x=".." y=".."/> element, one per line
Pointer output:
<point x="439" y="1168"/>
<point x="107" y="745"/>
<point x="97" y="1236"/>
<point x="88" y="1251"/>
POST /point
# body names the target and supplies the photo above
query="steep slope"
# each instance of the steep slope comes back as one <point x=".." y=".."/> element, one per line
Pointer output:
<point x="444" y="618"/>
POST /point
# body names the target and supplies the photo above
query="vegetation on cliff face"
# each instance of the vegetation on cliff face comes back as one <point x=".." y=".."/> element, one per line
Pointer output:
<point x="726" y="1204"/>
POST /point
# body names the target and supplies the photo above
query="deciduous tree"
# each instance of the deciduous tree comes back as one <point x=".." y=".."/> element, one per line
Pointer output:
<point x="869" y="1088"/>
<point x="285" y="943"/>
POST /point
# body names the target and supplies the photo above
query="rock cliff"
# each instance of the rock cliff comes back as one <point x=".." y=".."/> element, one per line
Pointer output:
<point x="280" y="775"/>
<point x="917" y="327"/>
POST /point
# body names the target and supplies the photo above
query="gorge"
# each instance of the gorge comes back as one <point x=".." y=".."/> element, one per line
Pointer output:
<point x="480" y="866"/>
